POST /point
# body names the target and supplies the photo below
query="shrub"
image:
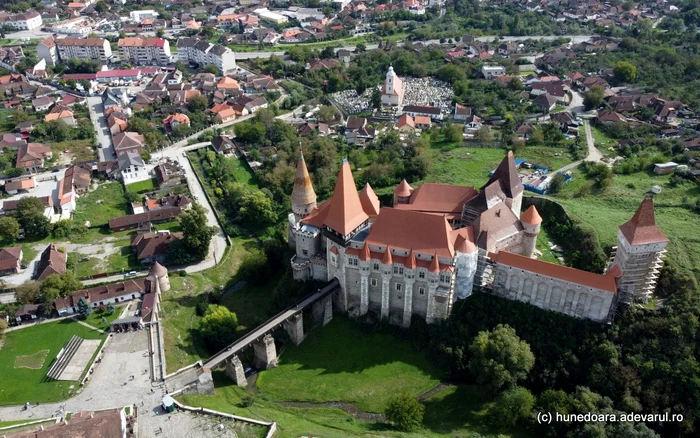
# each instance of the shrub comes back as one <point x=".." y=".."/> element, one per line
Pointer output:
<point x="405" y="412"/>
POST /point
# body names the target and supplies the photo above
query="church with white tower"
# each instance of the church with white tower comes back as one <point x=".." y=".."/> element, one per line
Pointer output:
<point x="392" y="91"/>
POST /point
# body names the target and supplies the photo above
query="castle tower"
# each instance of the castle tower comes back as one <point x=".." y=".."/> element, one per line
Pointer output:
<point x="641" y="247"/>
<point x="466" y="257"/>
<point x="531" y="221"/>
<point x="507" y="176"/>
<point x="158" y="275"/>
<point x="303" y="195"/>
<point x="345" y="214"/>
<point x="402" y="193"/>
<point x="387" y="266"/>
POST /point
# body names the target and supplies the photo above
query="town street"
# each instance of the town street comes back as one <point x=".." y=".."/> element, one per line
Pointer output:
<point x="105" y="150"/>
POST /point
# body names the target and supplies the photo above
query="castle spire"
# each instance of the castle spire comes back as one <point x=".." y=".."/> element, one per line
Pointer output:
<point x="642" y="228"/>
<point x="386" y="258"/>
<point x="303" y="195"/>
<point x="435" y="264"/>
<point x="345" y="213"/>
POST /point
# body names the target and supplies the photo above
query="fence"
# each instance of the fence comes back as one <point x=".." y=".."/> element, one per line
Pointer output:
<point x="272" y="426"/>
<point x="211" y="203"/>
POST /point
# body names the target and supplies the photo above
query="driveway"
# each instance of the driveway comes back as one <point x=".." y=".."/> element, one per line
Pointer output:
<point x="105" y="150"/>
<point x="593" y="153"/>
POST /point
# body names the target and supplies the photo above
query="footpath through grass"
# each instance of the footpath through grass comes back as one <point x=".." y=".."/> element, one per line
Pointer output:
<point x="21" y="385"/>
<point x="341" y="362"/>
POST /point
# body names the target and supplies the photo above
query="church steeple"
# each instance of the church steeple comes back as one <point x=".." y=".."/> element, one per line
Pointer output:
<point x="303" y="195"/>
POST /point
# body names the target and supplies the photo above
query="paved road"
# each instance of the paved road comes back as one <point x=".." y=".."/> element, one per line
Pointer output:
<point x="105" y="150"/>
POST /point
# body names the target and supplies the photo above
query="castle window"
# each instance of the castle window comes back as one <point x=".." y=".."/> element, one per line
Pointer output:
<point x="333" y="259"/>
<point x="398" y="287"/>
<point x="375" y="266"/>
<point x="353" y="261"/>
<point x="421" y="274"/>
<point x="373" y="281"/>
<point x="305" y="252"/>
<point x="421" y="291"/>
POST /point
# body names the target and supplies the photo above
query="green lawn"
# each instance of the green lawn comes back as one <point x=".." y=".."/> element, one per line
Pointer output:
<point x="463" y="166"/>
<point x="143" y="186"/>
<point x="552" y="158"/>
<point x="605" y="212"/>
<point x="95" y="318"/>
<point x="101" y="205"/>
<point x="20" y="385"/>
<point x="340" y="362"/>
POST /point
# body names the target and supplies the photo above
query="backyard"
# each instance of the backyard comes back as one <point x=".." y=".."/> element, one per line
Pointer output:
<point x="142" y="186"/>
<point x="25" y="357"/>
<point x="102" y="204"/>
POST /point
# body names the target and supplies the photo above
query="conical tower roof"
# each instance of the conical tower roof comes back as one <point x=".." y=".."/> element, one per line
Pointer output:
<point x="157" y="270"/>
<point x="365" y="254"/>
<point x="303" y="191"/>
<point x="411" y="260"/>
<point x="387" y="259"/>
<point x="531" y="216"/>
<point x="642" y="227"/>
<point x="435" y="264"/>
<point x="345" y="213"/>
<point x="403" y="189"/>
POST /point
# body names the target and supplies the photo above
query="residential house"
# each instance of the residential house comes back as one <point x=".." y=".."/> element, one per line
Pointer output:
<point x="422" y="122"/>
<point x="124" y="142"/>
<point x="23" y="21"/>
<point x="64" y="115"/>
<point x="472" y="123"/>
<point x="461" y="113"/>
<point x="9" y="207"/>
<point x="168" y="175"/>
<point x="423" y="110"/>
<point x="46" y="50"/>
<point x="175" y="120"/>
<point x="545" y="103"/>
<point x="610" y="117"/>
<point x="132" y="168"/>
<point x="255" y="104"/>
<point x="406" y="123"/>
<point x="43" y="103"/>
<point x="491" y="71"/>
<point x="14" y="186"/>
<point x="563" y="120"/>
<point x="76" y="180"/>
<point x="149" y="217"/>
<point x="222" y="145"/>
<point x="104" y="295"/>
<point x="52" y="262"/>
<point x="10" y="260"/>
<point x="153" y="247"/>
<point x="11" y="141"/>
<point x="665" y="168"/>
<point x="31" y="156"/>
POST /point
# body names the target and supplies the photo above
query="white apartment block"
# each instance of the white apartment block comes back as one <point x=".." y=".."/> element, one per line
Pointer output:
<point x="139" y="16"/>
<point x="25" y="21"/>
<point x="205" y="53"/>
<point x="145" y="51"/>
<point x="46" y="50"/>
<point x="84" y="48"/>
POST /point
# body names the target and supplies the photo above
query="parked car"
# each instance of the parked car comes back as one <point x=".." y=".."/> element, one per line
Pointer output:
<point x="130" y="274"/>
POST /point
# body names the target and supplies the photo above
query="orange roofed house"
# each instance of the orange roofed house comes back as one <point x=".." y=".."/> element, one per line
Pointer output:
<point x="438" y="241"/>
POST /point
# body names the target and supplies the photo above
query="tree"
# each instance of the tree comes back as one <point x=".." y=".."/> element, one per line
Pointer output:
<point x="360" y="48"/>
<point x="101" y="7"/>
<point x="453" y="133"/>
<point x="197" y="234"/>
<point x="557" y="183"/>
<point x="376" y="99"/>
<point x="9" y="228"/>
<point x="84" y="309"/>
<point x="110" y="308"/>
<point x="625" y="71"/>
<point x="29" y="206"/>
<point x="512" y="406"/>
<point x="483" y="134"/>
<point x="499" y="358"/>
<point x="197" y="102"/>
<point x="160" y="32"/>
<point x="36" y="225"/>
<point x="254" y="267"/>
<point x="28" y="293"/>
<point x="327" y="113"/>
<point x="211" y="68"/>
<point x="85" y="84"/>
<point x="219" y="325"/>
<point x="593" y="98"/>
<point x="58" y="285"/>
<point x="404" y="412"/>
<point x="257" y="208"/>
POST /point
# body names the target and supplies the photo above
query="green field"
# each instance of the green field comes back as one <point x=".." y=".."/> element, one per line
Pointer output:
<point x="95" y="318"/>
<point x="340" y="362"/>
<point x="80" y="150"/>
<point x="20" y="385"/>
<point x="143" y="186"/>
<point x="605" y="212"/>
<point x="101" y="205"/>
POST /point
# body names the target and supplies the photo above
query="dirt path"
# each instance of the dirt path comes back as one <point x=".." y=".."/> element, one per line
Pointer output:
<point x="352" y="410"/>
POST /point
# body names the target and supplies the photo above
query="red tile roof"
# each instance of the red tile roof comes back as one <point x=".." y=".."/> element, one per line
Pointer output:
<point x="303" y="191"/>
<point x="369" y="200"/>
<point x="596" y="281"/>
<point x="531" y="216"/>
<point x="408" y="230"/>
<point x="438" y="198"/>
<point x="642" y="227"/>
<point x="345" y="212"/>
<point x="403" y="189"/>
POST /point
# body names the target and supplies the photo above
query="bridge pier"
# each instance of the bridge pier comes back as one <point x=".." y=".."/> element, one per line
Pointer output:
<point x="322" y="311"/>
<point x="234" y="369"/>
<point x="295" y="328"/>
<point x="265" y="353"/>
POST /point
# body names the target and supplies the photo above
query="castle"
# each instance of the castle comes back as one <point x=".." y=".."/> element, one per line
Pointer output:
<point x="439" y="240"/>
